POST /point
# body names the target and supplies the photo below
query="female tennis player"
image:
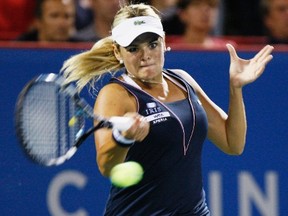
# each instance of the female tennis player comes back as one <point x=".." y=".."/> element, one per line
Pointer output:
<point x="173" y="115"/>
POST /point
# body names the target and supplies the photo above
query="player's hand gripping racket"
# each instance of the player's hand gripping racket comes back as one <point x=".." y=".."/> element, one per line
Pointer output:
<point x="50" y="120"/>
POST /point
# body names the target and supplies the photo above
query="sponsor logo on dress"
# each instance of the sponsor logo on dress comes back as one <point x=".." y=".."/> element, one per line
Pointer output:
<point x="155" y="114"/>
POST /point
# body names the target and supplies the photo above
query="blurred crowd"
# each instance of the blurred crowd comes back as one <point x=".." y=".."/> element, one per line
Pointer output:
<point x="209" y="23"/>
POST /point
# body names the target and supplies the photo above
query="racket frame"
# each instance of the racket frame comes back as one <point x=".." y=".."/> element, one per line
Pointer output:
<point x="70" y="91"/>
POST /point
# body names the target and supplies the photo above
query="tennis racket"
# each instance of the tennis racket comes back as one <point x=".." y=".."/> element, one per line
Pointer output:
<point x="50" y="120"/>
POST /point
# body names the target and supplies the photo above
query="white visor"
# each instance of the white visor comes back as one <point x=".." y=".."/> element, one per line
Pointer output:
<point x="128" y="30"/>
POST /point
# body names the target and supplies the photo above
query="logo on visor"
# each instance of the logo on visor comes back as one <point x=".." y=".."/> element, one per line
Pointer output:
<point x="139" y="22"/>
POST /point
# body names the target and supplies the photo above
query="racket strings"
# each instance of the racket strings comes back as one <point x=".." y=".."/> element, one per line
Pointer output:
<point x="45" y="116"/>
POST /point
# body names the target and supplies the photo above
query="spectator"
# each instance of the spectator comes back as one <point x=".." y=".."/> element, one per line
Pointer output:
<point x="199" y="18"/>
<point x="167" y="8"/>
<point x="84" y="13"/>
<point x="275" y="19"/>
<point x="104" y="12"/>
<point x="16" y="17"/>
<point x="242" y="18"/>
<point x="55" y="21"/>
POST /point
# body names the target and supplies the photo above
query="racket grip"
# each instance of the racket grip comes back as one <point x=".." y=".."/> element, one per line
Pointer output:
<point x="121" y="123"/>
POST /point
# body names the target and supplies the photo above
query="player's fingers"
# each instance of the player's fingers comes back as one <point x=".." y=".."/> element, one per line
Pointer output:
<point x="232" y="51"/>
<point x="263" y="54"/>
<point x="140" y="128"/>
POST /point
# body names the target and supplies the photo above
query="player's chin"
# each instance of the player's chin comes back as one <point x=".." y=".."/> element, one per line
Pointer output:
<point x="149" y="71"/>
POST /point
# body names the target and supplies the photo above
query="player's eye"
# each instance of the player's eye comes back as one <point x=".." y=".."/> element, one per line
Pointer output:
<point x="132" y="49"/>
<point x="153" y="44"/>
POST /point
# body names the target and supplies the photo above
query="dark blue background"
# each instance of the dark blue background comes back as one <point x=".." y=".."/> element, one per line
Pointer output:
<point x="23" y="185"/>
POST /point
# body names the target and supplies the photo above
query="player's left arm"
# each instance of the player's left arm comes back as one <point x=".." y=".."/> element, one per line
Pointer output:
<point x="228" y="132"/>
<point x="217" y="119"/>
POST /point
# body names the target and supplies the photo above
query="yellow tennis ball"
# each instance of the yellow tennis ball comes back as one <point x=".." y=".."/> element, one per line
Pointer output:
<point x="126" y="174"/>
<point x="72" y="121"/>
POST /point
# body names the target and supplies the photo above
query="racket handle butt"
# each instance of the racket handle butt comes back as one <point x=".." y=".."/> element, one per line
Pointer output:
<point x="63" y="158"/>
<point x="71" y="152"/>
<point x="121" y="123"/>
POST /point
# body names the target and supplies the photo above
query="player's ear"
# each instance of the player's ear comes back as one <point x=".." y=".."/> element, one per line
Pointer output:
<point x="116" y="49"/>
<point x="165" y="47"/>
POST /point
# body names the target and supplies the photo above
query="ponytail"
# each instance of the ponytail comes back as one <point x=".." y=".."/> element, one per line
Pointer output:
<point x="87" y="67"/>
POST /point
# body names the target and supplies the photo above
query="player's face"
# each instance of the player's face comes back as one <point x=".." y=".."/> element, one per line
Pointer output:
<point x="57" y="22"/>
<point x="144" y="57"/>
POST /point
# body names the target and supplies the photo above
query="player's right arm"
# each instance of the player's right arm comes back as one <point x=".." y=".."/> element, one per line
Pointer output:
<point x="114" y="100"/>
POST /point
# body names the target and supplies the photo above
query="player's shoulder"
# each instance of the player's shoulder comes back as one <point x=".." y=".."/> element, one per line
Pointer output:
<point x="113" y="89"/>
<point x="187" y="77"/>
<point x="183" y="74"/>
<point x="180" y="72"/>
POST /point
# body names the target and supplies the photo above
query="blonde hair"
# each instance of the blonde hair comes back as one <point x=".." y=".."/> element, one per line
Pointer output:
<point x="87" y="67"/>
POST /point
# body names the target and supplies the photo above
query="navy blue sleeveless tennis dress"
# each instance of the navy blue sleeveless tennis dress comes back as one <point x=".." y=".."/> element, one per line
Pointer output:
<point x="170" y="156"/>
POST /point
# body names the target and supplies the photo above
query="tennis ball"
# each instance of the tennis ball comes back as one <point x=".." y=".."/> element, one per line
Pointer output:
<point x="126" y="174"/>
<point x="72" y="121"/>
